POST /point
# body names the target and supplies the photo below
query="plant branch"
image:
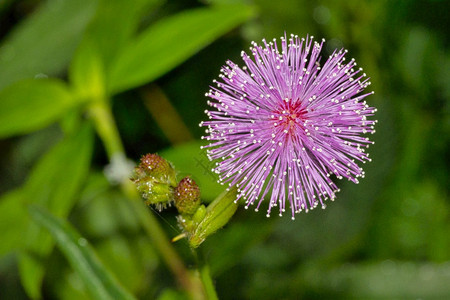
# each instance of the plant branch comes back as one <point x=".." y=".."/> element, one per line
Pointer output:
<point x="101" y="114"/>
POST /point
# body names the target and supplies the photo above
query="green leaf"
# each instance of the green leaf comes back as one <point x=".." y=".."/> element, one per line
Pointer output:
<point x="32" y="104"/>
<point x="110" y="30"/>
<point x="13" y="221"/>
<point x="100" y="282"/>
<point x="86" y="71"/>
<point x="53" y="183"/>
<point x="103" y="213"/>
<point x="171" y="41"/>
<point x="190" y="159"/>
<point x="114" y="24"/>
<point x="44" y="43"/>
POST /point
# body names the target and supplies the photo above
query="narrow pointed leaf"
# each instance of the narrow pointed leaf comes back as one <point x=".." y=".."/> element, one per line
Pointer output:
<point x="54" y="184"/>
<point x="114" y="24"/>
<point x="171" y="41"/>
<point x="86" y="71"/>
<point x="100" y="282"/>
<point x="44" y="43"/>
<point x="32" y="104"/>
<point x="13" y="221"/>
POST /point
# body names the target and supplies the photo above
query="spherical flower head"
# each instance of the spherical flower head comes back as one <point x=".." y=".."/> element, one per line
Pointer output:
<point x="187" y="196"/>
<point x="284" y="124"/>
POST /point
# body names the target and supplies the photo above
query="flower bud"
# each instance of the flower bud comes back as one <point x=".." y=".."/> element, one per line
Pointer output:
<point x="157" y="167"/>
<point x="207" y="220"/>
<point x="155" y="179"/>
<point x="187" y="196"/>
<point x="155" y="192"/>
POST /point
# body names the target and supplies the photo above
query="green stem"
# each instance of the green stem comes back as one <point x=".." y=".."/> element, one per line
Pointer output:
<point x="208" y="283"/>
<point x="101" y="114"/>
<point x="205" y="276"/>
<point x="169" y="255"/>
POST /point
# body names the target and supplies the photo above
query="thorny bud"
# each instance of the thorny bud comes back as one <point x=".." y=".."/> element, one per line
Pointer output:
<point x="187" y="196"/>
<point x="155" y="179"/>
<point x="157" y="167"/>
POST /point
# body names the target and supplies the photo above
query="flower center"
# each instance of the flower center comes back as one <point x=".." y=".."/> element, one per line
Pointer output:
<point x="289" y="118"/>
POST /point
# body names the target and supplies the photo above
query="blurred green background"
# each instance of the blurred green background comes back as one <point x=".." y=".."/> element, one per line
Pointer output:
<point x="149" y="62"/>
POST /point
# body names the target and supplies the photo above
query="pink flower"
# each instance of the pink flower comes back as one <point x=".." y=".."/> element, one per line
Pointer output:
<point x="282" y="125"/>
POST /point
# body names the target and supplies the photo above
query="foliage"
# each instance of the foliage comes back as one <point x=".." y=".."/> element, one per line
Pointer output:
<point x="86" y="84"/>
